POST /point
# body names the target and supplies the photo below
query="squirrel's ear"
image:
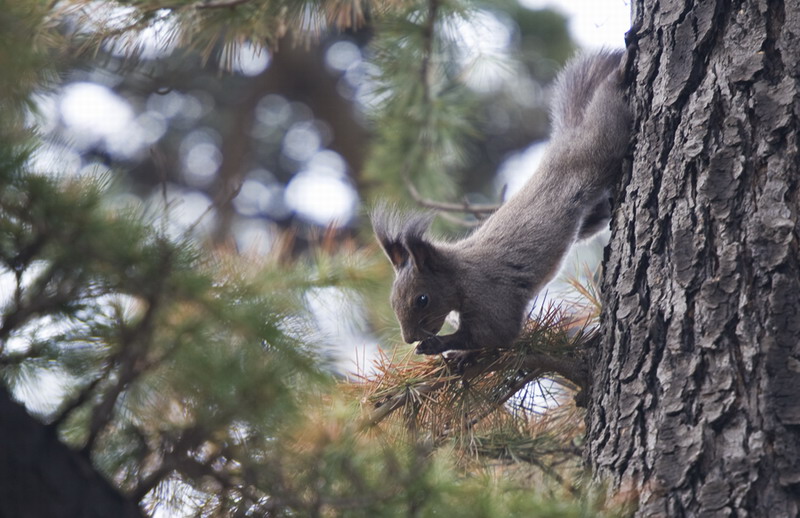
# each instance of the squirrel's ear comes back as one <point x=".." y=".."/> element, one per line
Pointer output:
<point x="402" y="237"/>
<point x="424" y="255"/>
<point x="395" y="251"/>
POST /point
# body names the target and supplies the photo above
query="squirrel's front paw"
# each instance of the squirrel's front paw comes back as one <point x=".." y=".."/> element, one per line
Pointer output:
<point x="458" y="361"/>
<point x="430" y="345"/>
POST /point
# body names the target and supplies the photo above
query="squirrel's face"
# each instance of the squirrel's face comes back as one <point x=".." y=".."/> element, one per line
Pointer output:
<point x="421" y="302"/>
<point x="424" y="290"/>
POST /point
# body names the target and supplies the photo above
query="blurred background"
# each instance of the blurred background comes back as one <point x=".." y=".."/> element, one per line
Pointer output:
<point x="268" y="150"/>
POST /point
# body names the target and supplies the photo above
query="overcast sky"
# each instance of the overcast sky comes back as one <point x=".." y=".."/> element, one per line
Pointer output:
<point x="593" y="23"/>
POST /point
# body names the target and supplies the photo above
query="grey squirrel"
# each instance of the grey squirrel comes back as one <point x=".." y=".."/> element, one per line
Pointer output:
<point x="490" y="276"/>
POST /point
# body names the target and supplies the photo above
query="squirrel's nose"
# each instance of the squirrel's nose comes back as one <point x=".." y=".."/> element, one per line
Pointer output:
<point x="408" y="337"/>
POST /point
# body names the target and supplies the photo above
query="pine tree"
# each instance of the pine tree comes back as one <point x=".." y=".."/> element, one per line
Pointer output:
<point x="695" y="399"/>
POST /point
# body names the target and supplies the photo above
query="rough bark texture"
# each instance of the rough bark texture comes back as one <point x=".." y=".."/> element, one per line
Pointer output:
<point x="42" y="478"/>
<point x="696" y="394"/>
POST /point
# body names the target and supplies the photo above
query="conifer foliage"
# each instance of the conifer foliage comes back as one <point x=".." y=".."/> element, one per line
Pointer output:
<point x="186" y="379"/>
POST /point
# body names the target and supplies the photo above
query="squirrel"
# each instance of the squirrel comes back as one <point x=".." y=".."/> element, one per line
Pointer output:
<point x="490" y="276"/>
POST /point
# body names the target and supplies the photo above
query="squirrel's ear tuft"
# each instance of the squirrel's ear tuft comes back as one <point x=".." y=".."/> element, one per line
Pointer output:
<point x="384" y="224"/>
<point x="398" y="233"/>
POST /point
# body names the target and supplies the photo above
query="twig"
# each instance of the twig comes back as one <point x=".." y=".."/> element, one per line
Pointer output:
<point x="161" y="167"/>
<point x="219" y="4"/>
<point x="221" y="199"/>
<point x="478" y="210"/>
<point x="497" y="403"/>
<point x="189" y="440"/>
<point x="82" y="398"/>
<point x="382" y="410"/>
<point x="150" y="481"/>
<point x="549" y="471"/>
<point x="129" y="370"/>
<point x="40" y="304"/>
<point x="459" y="221"/>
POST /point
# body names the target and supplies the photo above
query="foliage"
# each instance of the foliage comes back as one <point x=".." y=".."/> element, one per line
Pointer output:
<point x="191" y="375"/>
<point x="208" y="25"/>
<point x="23" y="61"/>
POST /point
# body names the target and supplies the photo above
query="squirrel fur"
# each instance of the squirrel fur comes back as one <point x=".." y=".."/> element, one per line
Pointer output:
<point x="490" y="276"/>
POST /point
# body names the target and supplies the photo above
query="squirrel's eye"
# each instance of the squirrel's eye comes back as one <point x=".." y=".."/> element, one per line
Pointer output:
<point x="421" y="301"/>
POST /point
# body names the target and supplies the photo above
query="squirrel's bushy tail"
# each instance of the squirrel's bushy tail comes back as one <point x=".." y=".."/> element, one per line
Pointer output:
<point x="591" y="131"/>
<point x="579" y="83"/>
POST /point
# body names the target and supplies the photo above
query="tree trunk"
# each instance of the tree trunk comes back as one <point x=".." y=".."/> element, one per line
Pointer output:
<point x="695" y="404"/>
<point x="42" y="478"/>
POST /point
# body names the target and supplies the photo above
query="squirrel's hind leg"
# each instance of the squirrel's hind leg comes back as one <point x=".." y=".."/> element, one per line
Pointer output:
<point x="596" y="218"/>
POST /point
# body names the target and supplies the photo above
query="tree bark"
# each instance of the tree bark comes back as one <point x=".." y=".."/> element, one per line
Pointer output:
<point x="42" y="478"/>
<point x="695" y="403"/>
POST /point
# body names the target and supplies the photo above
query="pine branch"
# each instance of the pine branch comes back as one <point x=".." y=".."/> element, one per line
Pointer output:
<point x="134" y="346"/>
<point x="534" y="458"/>
<point x="219" y="4"/>
<point x="535" y="364"/>
<point x="173" y="458"/>
<point x="509" y="393"/>
<point x="548" y="346"/>
<point x="425" y="73"/>
<point x="148" y="483"/>
<point x="428" y="35"/>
